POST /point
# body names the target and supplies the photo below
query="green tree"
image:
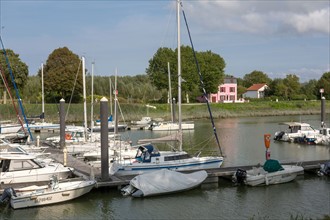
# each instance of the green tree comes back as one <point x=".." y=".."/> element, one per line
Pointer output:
<point x="255" y="77"/>
<point x="62" y="75"/>
<point x="278" y="89"/>
<point x="323" y="83"/>
<point x="292" y="84"/>
<point x="32" y="90"/>
<point x="211" y="67"/>
<point x="19" y="69"/>
<point x="309" y="89"/>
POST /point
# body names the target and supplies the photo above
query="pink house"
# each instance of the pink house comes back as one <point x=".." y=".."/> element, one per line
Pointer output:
<point x="227" y="92"/>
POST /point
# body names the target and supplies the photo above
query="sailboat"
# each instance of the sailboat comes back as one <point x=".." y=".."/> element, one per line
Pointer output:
<point x="149" y="158"/>
<point x="38" y="126"/>
<point x="171" y="125"/>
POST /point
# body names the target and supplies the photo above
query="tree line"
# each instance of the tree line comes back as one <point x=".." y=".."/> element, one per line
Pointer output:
<point x="63" y="79"/>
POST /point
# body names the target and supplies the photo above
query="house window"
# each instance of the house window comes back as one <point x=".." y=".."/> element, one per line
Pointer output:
<point x="222" y="89"/>
<point x="232" y="97"/>
<point x="222" y="97"/>
<point x="232" y="89"/>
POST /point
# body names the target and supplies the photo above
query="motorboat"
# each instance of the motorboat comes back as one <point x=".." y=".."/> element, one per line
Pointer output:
<point x="272" y="172"/>
<point x="25" y="168"/>
<point x="297" y="132"/>
<point x="163" y="181"/>
<point x="149" y="158"/>
<point x="53" y="193"/>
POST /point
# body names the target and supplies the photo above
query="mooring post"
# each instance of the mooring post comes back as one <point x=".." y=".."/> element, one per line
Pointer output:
<point x="38" y="141"/>
<point x="323" y="112"/>
<point x="62" y="131"/>
<point x="104" y="139"/>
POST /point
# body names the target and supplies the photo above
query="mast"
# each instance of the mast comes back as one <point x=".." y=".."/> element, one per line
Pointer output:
<point x="84" y="93"/>
<point x="42" y="93"/>
<point x="179" y="74"/>
<point x="92" y="102"/>
<point x="110" y="95"/>
<point x="115" y="108"/>
<point x="170" y="91"/>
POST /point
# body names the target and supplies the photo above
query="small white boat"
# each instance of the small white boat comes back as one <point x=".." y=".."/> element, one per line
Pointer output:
<point x="55" y="192"/>
<point x="162" y="182"/>
<point x="172" y="126"/>
<point x="143" y="121"/>
<point x="271" y="173"/>
<point x="297" y="132"/>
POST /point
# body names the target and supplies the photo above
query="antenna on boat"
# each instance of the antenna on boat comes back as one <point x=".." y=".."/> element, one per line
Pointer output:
<point x="201" y="80"/>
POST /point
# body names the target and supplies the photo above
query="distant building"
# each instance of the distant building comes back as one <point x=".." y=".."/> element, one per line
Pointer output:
<point x="256" y="91"/>
<point x="227" y="92"/>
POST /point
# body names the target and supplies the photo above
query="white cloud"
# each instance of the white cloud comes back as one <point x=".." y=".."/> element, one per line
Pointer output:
<point x="262" y="17"/>
<point x="313" y="21"/>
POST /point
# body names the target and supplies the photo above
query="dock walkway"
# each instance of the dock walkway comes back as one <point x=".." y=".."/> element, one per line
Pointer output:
<point x="86" y="171"/>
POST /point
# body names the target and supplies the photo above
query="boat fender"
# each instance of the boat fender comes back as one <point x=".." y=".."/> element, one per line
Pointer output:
<point x="67" y="136"/>
<point x="266" y="180"/>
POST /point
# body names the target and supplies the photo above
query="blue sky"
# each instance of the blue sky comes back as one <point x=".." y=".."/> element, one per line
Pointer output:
<point x="276" y="37"/>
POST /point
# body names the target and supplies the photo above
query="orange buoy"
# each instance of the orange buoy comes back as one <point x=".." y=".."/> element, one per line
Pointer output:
<point x="67" y="136"/>
<point x="267" y="140"/>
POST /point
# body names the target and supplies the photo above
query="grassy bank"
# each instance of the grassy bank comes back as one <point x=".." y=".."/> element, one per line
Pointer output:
<point x="189" y="111"/>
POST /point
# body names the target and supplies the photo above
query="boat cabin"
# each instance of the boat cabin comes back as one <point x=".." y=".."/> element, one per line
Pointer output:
<point x="146" y="152"/>
<point x="296" y="127"/>
<point x="18" y="162"/>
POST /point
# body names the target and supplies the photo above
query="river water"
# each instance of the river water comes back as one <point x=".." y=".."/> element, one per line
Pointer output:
<point x="308" y="197"/>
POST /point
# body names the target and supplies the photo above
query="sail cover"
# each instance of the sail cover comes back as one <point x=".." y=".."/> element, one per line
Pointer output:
<point x="167" y="181"/>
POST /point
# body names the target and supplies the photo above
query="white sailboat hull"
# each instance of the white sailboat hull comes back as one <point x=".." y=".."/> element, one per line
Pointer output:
<point x="194" y="163"/>
<point x="173" y="126"/>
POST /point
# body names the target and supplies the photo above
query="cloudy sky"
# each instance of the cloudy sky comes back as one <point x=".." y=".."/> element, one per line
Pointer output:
<point x="276" y="37"/>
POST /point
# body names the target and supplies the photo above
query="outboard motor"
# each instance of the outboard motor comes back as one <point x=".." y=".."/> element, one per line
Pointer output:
<point x="325" y="169"/>
<point x="239" y="177"/>
<point x="279" y="136"/>
<point x="7" y="194"/>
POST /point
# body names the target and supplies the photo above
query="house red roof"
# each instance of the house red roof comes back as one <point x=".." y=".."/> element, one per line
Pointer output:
<point x="256" y="87"/>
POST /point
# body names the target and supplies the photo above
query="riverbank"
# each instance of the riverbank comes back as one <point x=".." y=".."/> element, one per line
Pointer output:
<point x="129" y="112"/>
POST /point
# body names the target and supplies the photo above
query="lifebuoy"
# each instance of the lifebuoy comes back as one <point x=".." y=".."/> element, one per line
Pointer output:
<point x="67" y="136"/>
